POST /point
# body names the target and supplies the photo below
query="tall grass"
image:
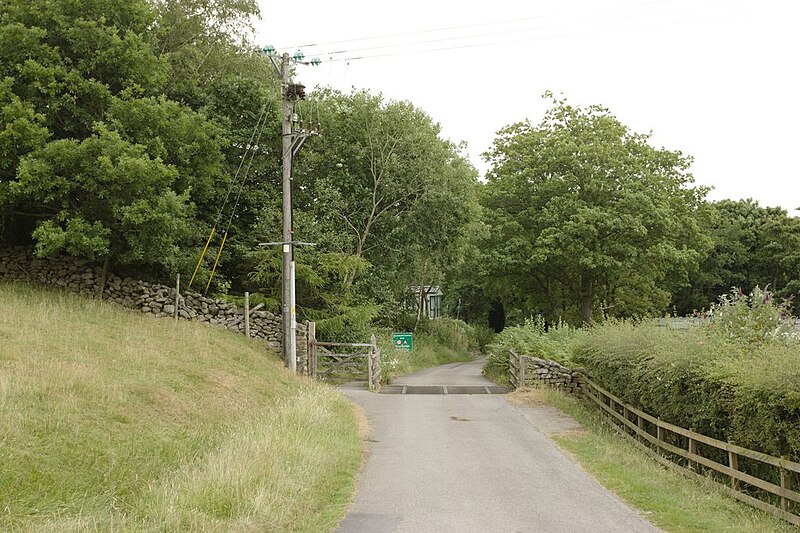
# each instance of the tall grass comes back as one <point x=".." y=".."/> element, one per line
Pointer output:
<point x="114" y="420"/>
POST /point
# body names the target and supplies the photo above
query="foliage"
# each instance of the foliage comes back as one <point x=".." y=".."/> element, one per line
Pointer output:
<point x="455" y="334"/>
<point x="748" y="319"/>
<point x="92" y="149"/>
<point x="323" y="295"/>
<point x="380" y="184"/>
<point x="533" y="339"/>
<point x="727" y="388"/>
<point x="587" y="218"/>
<point x="67" y="59"/>
<point x="752" y="246"/>
<point x="734" y="378"/>
<point x="107" y="196"/>
<point x="21" y="130"/>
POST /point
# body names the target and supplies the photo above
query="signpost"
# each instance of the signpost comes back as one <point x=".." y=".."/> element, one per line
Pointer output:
<point x="403" y="341"/>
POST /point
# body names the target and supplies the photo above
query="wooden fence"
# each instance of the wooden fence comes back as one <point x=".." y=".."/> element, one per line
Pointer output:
<point x="674" y="445"/>
<point x="342" y="360"/>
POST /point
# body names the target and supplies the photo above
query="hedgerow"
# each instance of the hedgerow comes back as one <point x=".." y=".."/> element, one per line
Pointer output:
<point x="735" y="377"/>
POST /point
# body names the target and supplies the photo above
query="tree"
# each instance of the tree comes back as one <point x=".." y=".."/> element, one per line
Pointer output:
<point x="67" y="59"/>
<point x="79" y="78"/>
<point x="109" y="200"/>
<point x="753" y="246"/>
<point x="385" y="188"/>
<point x="587" y="218"/>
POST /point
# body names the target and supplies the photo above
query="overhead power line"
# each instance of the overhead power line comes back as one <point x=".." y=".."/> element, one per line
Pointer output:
<point x="426" y="50"/>
<point x="314" y="48"/>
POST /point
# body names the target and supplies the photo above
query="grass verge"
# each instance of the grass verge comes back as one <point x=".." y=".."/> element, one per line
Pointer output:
<point x="112" y="420"/>
<point x="664" y="496"/>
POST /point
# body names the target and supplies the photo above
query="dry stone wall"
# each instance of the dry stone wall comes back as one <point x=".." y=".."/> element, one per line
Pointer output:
<point x="81" y="276"/>
<point x="554" y="374"/>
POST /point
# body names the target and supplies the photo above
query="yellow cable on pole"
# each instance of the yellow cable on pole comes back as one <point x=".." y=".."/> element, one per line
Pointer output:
<point x="224" y="237"/>
<point x="202" y="256"/>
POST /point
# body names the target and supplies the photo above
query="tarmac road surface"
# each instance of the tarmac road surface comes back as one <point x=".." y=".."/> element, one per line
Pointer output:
<point x="473" y="463"/>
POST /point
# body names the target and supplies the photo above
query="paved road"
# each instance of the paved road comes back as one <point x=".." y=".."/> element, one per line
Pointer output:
<point x="474" y="463"/>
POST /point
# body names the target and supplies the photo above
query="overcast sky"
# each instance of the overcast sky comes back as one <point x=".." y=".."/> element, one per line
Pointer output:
<point x="718" y="80"/>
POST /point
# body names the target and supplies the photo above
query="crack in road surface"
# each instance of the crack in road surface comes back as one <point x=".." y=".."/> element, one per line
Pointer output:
<point x="498" y="473"/>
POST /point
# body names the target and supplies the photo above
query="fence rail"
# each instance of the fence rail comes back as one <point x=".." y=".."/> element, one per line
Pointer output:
<point x="632" y="423"/>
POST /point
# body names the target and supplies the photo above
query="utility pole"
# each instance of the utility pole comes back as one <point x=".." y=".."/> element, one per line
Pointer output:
<point x="291" y="141"/>
<point x="288" y="316"/>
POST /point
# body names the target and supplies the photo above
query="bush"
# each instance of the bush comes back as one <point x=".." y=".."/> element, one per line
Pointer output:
<point x="533" y="339"/>
<point x="453" y="333"/>
<point x="734" y="377"/>
<point x="752" y="318"/>
<point x="726" y="388"/>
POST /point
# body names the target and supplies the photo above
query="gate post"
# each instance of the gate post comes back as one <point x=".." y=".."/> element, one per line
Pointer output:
<point x="311" y="352"/>
<point x="373" y="365"/>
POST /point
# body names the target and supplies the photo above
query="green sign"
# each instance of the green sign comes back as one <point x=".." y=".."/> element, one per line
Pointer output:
<point x="403" y="341"/>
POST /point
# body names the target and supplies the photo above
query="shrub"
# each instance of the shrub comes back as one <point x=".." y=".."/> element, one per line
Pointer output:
<point x="533" y="339"/>
<point x="454" y="333"/>
<point x="725" y="387"/>
<point x="750" y="318"/>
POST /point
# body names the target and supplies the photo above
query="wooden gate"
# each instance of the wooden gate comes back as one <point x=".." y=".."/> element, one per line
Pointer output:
<point x="337" y="361"/>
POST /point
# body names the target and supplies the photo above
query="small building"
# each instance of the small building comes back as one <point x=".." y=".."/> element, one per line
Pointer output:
<point x="432" y="301"/>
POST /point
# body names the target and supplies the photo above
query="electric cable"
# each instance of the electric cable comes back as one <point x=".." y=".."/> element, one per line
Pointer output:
<point x="458" y="27"/>
<point x="242" y="184"/>
<point x="512" y="41"/>
<point x="248" y="147"/>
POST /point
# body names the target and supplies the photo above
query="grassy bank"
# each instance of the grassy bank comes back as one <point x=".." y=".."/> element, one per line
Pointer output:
<point x="114" y="420"/>
<point x="664" y="496"/>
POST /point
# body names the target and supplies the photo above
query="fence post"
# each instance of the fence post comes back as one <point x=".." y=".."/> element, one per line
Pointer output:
<point x="177" y="294"/>
<point x="733" y="463"/>
<point x="371" y="363"/>
<point x="640" y="424"/>
<point x="247" y="314"/>
<point x="785" y="484"/>
<point x="378" y="368"/>
<point x="513" y="369"/>
<point x="311" y="339"/>
<point x="659" y="435"/>
<point x="692" y="449"/>
<point x="523" y="362"/>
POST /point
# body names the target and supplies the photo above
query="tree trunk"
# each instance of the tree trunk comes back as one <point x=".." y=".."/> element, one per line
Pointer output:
<point x="101" y="285"/>
<point x="586" y="298"/>
<point x="420" y="306"/>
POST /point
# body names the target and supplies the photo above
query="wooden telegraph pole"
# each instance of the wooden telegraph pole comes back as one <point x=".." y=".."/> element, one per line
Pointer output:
<point x="291" y="141"/>
<point x="288" y="316"/>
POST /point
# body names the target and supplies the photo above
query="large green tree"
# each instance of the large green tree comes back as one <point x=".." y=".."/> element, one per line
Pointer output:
<point x="587" y="217"/>
<point x="387" y="201"/>
<point x="752" y="246"/>
<point x="114" y="114"/>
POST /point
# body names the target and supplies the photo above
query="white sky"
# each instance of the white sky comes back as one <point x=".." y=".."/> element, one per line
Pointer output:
<point x="718" y="80"/>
